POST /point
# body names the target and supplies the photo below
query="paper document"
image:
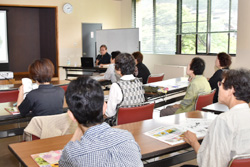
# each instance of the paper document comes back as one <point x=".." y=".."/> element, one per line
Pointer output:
<point x="173" y="134"/>
<point x="28" y="86"/>
<point x="47" y="159"/>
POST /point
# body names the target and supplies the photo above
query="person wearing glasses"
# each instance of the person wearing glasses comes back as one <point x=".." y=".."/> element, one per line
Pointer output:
<point x="104" y="57"/>
<point x="229" y="134"/>
<point x="222" y="62"/>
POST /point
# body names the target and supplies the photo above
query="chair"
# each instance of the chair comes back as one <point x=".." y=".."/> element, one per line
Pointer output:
<point x="155" y="77"/>
<point x="64" y="87"/>
<point x="240" y="161"/>
<point x="135" y="114"/>
<point x="49" y="126"/>
<point x="204" y="100"/>
<point x="8" y="96"/>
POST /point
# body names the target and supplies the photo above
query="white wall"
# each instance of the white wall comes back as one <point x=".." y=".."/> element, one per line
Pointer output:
<point x="111" y="13"/>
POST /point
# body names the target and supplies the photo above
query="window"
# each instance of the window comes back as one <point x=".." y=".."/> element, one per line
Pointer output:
<point x="186" y="26"/>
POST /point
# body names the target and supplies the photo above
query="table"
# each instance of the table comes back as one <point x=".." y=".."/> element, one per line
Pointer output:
<point x="149" y="147"/>
<point x="81" y="69"/>
<point x="173" y="84"/>
<point x="4" y="115"/>
<point x="176" y="91"/>
<point x="177" y="88"/>
<point x="6" y="118"/>
<point x="16" y="86"/>
<point x="216" y="108"/>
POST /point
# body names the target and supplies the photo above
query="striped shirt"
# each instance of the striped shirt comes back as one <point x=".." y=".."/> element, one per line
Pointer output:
<point x="102" y="146"/>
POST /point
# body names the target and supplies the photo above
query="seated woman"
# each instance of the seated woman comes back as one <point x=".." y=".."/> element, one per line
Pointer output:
<point x="110" y="74"/>
<point x="128" y="91"/>
<point x="47" y="99"/>
<point x="198" y="85"/>
<point x="143" y="71"/>
<point x="222" y="62"/>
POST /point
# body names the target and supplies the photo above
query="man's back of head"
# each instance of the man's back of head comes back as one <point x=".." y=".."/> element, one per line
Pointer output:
<point x="85" y="98"/>
<point x="95" y="143"/>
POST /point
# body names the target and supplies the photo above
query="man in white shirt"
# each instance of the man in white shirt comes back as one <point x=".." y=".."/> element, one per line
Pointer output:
<point x="229" y="134"/>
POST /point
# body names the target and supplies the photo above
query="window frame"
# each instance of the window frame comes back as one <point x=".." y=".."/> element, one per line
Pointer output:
<point x="179" y="24"/>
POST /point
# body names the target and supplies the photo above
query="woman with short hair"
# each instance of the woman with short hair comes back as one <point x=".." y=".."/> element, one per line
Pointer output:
<point x="47" y="99"/>
<point x="222" y="62"/>
<point x="198" y="85"/>
<point x="143" y="71"/>
<point x="128" y="91"/>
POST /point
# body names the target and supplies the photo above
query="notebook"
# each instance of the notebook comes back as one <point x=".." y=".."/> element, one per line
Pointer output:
<point x="12" y="110"/>
<point x="47" y="159"/>
<point x="87" y="62"/>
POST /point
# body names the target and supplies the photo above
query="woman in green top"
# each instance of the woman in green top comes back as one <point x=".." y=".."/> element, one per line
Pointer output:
<point x="198" y="85"/>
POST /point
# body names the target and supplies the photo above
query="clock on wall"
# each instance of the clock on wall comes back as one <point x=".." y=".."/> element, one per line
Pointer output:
<point x="67" y="8"/>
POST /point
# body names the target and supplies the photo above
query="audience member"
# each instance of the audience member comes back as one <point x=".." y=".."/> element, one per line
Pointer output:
<point x="198" y="85"/>
<point x="95" y="143"/>
<point x="222" y="62"/>
<point x="110" y="74"/>
<point x="128" y="91"/>
<point x="47" y="99"/>
<point x="228" y="135"/>
<point x="143" y="71"/>
<point x="104" y="57"/>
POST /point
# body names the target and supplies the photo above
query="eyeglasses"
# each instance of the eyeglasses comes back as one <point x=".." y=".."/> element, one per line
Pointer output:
<point x="220" y="83"/>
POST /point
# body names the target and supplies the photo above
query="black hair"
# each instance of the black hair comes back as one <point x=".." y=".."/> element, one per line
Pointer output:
<point x="224" y="59"/>
<point x="114" y="54"/>
<point x="197" y="65"/>
<point x="85" y="98"/>
<point x="240" y="81"/>
<point x="126" y="63"/>
<point x="104" y="46"/>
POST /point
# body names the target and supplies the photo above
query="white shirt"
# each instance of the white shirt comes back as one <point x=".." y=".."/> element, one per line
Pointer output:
<point x="227" y="136"/>
<point x="115" y="96"/>
<point x="110" y="73"/>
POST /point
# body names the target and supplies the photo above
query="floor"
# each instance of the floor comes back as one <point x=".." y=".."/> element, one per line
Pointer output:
<point x="7" y="159"/>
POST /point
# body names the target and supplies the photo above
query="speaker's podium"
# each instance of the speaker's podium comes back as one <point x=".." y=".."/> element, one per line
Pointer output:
<point x="6" y="77"/>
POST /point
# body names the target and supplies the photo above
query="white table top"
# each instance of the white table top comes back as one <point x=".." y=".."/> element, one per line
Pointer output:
<point x="217" y="107"/>
<point x="172" y="84"/>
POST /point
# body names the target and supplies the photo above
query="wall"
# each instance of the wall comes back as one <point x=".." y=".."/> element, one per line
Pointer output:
<point x="117" y="14"/>
<point x="243" y="42"/>
<point x="19" y="37"/>
<point x="111" y="13"/>
<point x="47" y="29"/>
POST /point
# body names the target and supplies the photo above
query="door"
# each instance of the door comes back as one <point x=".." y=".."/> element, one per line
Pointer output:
<point x="89" y="38"/>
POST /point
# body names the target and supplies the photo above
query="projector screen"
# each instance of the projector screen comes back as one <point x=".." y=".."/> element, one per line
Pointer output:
<point x="3" y="37"/>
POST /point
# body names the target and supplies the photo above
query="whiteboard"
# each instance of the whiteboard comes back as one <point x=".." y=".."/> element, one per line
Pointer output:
<point x="124" y="40"/>
<point x="3" y="37"/>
